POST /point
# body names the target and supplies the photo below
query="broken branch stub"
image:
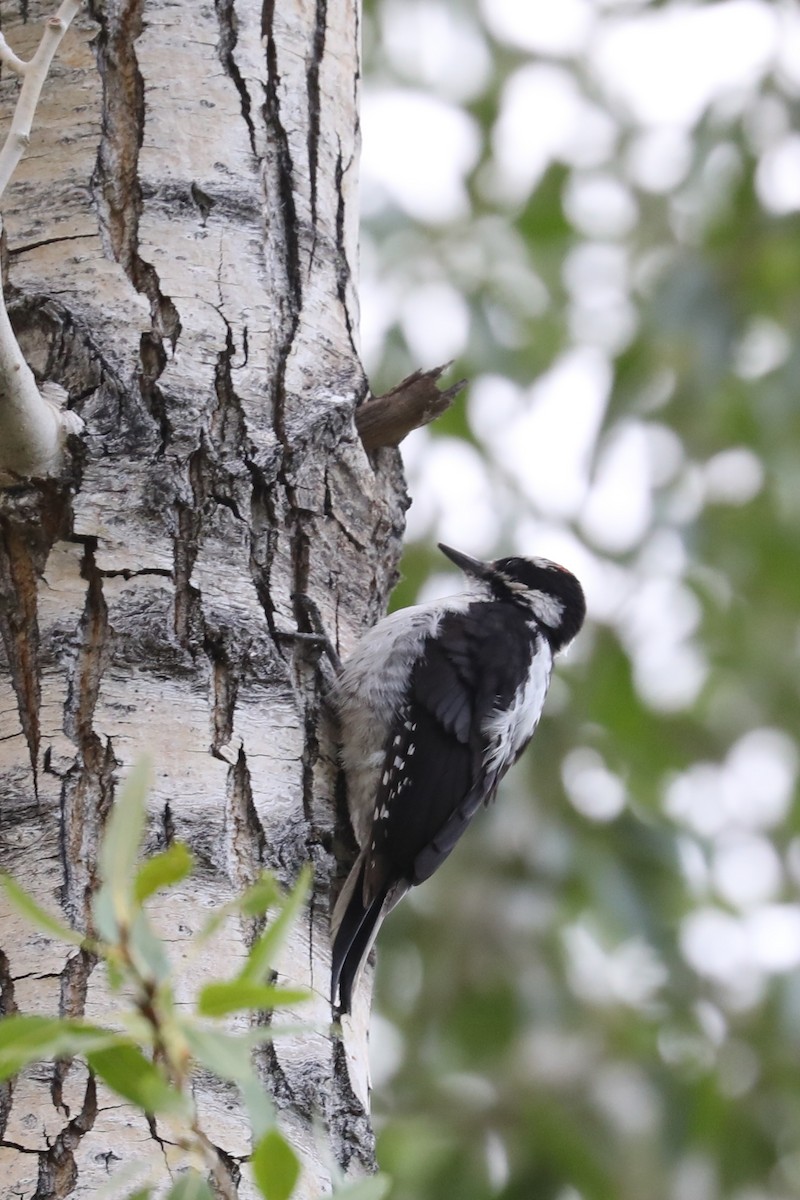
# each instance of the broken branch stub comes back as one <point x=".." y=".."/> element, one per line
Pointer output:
<point x="386" y="420"/>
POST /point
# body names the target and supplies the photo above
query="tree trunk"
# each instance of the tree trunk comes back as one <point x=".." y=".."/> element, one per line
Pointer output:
<point x="180" y="256"/>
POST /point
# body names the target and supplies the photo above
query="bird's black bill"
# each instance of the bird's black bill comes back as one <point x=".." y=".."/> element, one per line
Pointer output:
<point x="471" y="566"/>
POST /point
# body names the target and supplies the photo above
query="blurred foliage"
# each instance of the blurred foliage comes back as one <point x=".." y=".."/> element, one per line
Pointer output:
<point x="550" y="1027"/>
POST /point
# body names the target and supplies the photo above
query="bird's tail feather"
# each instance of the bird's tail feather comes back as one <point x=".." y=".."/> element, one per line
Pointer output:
<point x="356" y="926"/>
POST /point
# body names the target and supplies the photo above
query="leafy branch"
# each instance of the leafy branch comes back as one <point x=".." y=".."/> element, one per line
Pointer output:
<point x="151" y="1060"/>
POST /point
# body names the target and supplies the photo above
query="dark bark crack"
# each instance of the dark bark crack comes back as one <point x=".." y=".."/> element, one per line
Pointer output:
<point x="89" y="665"/>
<point x="58" y="1172"/>
<point x="263" y="540"/>
<point x="20" y="629"/>
<point x="281" y="241"/>
<point x="273" y="1076"/>
<point x="168" y="824"/>
<point x="312" y="87"/>
<point x="117" y="188"/>
<point x="74" y="986"/>
<point x="226" y="687"/>
<point x="228" y="37"/>
<point x="189" y="623"/>
<point x="26" y="247"/>
<point x="8" y="1006"/>
<point x="153" y="358"/>
<point x="87" y="789"/>
<point x="246" y="833"/>
<point x="283" y="244"/>
<point x="227" y="427"/>
<point x="230" y="1164"/>
<point x="125" y="573"/>
<point x="349" y="1121"/>
<point x="342" y="265"/>
<point x="31" y="522"/>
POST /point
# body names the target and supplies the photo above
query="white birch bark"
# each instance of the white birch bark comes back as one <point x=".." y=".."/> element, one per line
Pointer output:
<point x="181" y="258"/>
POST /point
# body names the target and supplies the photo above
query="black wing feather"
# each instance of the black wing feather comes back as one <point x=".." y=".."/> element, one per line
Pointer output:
<point x="437" y="749"/>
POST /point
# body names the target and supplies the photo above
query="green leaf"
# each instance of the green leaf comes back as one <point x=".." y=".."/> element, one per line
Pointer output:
<point x="253" y="902"/>
<point x="260" y="896"/>
<point x="147" y="949"/>
<point x="190" y="1186"/>
<point x="162" y="870"/>
<point x="126" y="1070"/>
<point x="374" y="1188"/>
<point x="260" y="1110"/>
<point x="25" y="904"/>
<point x="26" y="1039"/>
<point x="122" y="838"/>
<point x="275" y="1165"/>
<point x="226" y="1054"/>
<point x="266" y="947"/>
<point x="219" y="999"/>
<point x="104" y="918"/>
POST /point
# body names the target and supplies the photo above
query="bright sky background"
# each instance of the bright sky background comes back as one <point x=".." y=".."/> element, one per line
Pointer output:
<point x="662" y="70"/>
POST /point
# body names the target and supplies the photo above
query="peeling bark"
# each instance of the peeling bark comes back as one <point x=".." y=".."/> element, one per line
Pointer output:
<point x="181" y="246"/>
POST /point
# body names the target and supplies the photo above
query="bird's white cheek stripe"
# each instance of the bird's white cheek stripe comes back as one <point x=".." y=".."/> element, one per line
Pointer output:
<point x="549" y="610"/>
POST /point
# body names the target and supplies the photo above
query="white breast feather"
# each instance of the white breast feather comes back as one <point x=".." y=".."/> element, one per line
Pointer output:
<point x="508" y="730"/>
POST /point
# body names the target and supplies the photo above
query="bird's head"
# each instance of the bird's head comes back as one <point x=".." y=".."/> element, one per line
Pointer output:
<point x="548" y="592"/>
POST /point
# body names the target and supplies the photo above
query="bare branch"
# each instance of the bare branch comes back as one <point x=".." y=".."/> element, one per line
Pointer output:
<point x="10" y="59"/>
<point x="386" y="420"/>
<point x="33" y="430"/>
<point x="34" y="73"/>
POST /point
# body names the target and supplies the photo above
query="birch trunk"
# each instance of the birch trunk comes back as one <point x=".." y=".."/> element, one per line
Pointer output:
<point x="180" y="256"/>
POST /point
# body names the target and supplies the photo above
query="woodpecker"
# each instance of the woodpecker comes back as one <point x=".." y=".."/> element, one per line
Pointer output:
<point x="436" y="702"/>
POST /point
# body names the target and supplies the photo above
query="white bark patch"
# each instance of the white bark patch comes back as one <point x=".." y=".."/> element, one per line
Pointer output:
<point x="196" y="257"/>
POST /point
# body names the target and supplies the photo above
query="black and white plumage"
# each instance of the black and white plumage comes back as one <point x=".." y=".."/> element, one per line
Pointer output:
<point x="435" y="704"/>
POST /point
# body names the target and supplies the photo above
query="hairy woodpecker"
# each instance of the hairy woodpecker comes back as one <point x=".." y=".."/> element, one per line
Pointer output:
<point x="435" y="704"/>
